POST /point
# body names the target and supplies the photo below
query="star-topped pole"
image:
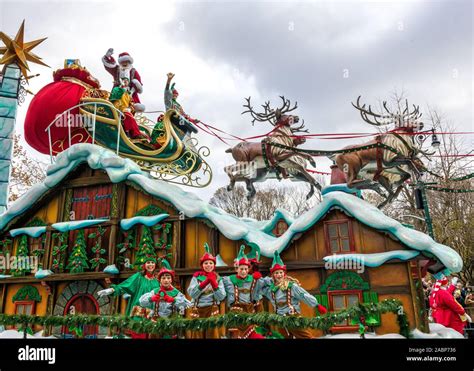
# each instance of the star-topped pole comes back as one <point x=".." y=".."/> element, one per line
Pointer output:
<point x="19" y="52"/>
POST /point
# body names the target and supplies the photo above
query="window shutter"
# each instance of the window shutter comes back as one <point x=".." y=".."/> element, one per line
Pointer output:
<point x="366" y="296"/>
<point x="372" y="297"/>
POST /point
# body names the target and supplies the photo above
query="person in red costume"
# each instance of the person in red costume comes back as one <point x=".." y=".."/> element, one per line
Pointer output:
<point x="445" y="309"/>
<point x="125" y="69"/>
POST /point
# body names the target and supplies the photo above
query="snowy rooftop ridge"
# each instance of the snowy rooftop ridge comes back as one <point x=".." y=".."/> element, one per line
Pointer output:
<point x="234" y="228"/>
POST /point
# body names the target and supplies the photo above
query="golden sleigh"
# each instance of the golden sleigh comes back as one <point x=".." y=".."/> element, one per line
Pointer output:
<point x="177" y="159"/>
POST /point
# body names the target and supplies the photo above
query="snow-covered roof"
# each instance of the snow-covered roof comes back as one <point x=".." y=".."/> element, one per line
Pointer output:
<point x="232" y="227"/>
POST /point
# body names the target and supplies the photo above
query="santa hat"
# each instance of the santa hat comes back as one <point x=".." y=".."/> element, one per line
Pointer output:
<point x="441" y="282"/>
<point x="277" y="263"/>
<point x="241" y="258"/>
<point x="165" y="269"/>
<point x="125" y="57"/>
<point x="207" y="255"/>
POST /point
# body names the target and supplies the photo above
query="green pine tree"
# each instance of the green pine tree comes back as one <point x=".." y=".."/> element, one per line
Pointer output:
<point x="22" y="257"/>
<point x="146" y="247"/>
<point x="77" y="261"/>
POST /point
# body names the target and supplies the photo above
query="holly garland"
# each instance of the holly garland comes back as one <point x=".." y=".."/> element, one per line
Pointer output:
<point x="59" y="251"/>
<point x="128" y="245"/>
<point x="163" y="242"/>
<point x="177" y="324"/>
<point x="97" y="250"/>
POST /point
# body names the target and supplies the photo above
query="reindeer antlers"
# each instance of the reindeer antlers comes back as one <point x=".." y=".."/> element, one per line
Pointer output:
<point x="269" y="113"/>
<point x="365" y="112"/>
<point x="379" y="119"/>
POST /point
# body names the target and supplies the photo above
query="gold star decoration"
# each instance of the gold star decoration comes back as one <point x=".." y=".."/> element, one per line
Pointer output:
<point x="19" y="52"/>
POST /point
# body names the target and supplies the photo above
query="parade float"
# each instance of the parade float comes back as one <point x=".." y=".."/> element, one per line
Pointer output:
<point x="108" y="207"/>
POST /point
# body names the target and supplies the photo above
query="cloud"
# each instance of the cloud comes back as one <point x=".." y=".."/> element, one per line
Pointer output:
<point x="322" y="54"/>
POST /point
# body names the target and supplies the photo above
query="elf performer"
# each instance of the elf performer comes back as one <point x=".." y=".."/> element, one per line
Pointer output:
<point x="243" y="290"/>
<point x="285" y="294"/>
<point x="171" y="100"/>
<point x="166" y="300"/>
<point x="135" y="286"/>
<point x="254" y="270"/>
<point x="445" y="309"/>
<point x="207" y="291"/>
<point x="121" y="99"/>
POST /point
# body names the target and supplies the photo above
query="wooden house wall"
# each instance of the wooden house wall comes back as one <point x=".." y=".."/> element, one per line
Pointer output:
<point x="303" y="256"/>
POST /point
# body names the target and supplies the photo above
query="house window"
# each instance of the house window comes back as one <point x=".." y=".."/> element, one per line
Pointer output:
<point x="25" y="300"/>
<point x="339" y="237"/>
<point x="24" y="307"/>
<point x="340" y="300"/>
<point x="280" y="228"/>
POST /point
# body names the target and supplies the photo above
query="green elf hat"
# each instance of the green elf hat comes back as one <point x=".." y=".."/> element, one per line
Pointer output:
<point x="254" y="254"/>
<point x="277" y="263"/>
<point x="172" y="88"/>
<point x="207" y="255"/>
<point x="165" y="269"/>
<point x="149" y="258"/>
<point x="241" y="258"/>
<point x="116" y="93"/>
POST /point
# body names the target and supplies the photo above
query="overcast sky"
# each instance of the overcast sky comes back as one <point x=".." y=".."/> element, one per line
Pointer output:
<point x="321" y="54"/>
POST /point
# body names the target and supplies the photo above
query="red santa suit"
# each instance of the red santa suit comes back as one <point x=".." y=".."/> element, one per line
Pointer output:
<point x="445" y="309"/>
<point x="131" y="73"/>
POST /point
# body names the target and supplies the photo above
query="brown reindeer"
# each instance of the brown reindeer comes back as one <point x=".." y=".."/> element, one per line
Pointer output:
<point x="381" y="169"/>
<point x="250" y="166"/>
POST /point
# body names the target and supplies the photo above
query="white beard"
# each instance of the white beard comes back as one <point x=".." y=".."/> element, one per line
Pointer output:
<point x="125" y="72"/>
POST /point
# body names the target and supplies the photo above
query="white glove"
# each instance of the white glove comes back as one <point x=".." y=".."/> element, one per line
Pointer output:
<point x="105" y="292"/>
<point x="469" y="319"/>
<point x="109" y="52"/>
<point x="454" y="280"/>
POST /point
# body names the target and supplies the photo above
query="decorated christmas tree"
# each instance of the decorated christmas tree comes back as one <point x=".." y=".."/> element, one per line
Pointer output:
<point x="22" y="257"/>
<point x="146" y="247"/>
<point x="78" y="259"/>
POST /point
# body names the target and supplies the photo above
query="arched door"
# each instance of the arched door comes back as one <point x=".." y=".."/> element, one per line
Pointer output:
<point x="81" y="304"/>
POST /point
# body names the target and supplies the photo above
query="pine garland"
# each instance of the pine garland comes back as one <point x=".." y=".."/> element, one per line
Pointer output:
<point x="356" y="149"/>
<point x="449" y="190"/>
<point x="177" y="324"/>
<point x="465" y="177"/>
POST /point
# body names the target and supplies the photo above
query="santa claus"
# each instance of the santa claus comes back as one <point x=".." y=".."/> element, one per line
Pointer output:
<point x="125" y="69"/>
<point x="445" y="309"/>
